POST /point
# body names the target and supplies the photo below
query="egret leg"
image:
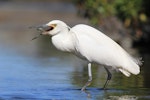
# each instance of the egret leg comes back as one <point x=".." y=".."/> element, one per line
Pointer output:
<point x="90" y="78"/>
<point x="108" y="78"/>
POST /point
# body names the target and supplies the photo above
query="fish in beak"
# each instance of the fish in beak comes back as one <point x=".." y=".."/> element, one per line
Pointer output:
<point x="43" y="29"/>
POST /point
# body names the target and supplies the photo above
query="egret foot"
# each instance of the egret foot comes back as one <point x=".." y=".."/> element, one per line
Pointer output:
<point x="87" y="84"/>
<point x="90" y="78"/>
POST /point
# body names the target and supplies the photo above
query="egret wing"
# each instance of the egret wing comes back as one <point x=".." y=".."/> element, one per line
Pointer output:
<point x="97" y="47"/>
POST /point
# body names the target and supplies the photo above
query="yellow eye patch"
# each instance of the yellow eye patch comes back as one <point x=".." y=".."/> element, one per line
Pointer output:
<point x="53" y="25"/>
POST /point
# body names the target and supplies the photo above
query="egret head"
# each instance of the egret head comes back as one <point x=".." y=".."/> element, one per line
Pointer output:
<point x="53" y="27"/>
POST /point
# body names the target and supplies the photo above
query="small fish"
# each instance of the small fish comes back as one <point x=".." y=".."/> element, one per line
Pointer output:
<point x="36" y="37"/>
<point x="39" y="31"/>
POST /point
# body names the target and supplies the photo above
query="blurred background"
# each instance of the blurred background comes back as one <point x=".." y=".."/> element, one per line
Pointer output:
<point x="36" y="70"/>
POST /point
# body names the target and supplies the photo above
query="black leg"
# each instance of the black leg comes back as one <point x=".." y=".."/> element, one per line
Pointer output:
<point x="108" y="78"/>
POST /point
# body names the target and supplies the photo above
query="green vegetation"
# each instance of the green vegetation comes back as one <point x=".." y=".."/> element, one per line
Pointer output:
<point x="128" y="11"/>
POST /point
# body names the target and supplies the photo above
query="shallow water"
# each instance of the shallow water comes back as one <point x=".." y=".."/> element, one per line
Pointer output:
<point x="36" y="70"/>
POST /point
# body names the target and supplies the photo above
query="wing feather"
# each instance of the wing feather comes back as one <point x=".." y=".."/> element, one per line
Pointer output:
<point x="97" y="47"/>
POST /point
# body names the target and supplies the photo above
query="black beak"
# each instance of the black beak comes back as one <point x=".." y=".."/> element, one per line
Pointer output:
<point x="36" y="37"/>
<point x="41" y="29"/>
<point x="44" y="28"/>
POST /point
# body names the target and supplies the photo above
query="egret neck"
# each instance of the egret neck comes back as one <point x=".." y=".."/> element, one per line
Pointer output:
<point x="63" y="40"/>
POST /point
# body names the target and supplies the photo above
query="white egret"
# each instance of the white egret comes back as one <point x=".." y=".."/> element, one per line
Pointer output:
<point x="92" y="45"/>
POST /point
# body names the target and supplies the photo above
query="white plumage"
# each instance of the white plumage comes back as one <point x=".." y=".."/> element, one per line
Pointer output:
<point x="97" y="47"/>
<point x="89" y="43"/>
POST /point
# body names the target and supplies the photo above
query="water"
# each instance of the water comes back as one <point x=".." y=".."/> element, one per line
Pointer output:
<point x="36" y="70"/>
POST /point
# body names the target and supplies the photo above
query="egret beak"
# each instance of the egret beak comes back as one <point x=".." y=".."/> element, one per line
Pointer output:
<point x="36" y="37"/>
<point x="42" y="29"/>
